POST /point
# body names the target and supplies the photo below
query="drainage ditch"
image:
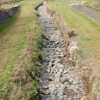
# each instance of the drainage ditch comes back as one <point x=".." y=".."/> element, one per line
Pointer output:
<point x="59" y="80"/>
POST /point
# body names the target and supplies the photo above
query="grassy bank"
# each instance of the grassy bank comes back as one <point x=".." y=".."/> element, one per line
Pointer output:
<point x="88" y="37"/>
<point x="17" y="37"/>
<point x="93" y="3"/>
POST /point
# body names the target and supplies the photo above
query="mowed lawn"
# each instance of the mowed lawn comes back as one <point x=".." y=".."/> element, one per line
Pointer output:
<point x="88" y="36"/>
<point x="14" y="40"/>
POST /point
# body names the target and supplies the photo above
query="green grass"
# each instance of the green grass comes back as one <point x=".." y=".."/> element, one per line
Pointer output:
<point x="14" y="40"/>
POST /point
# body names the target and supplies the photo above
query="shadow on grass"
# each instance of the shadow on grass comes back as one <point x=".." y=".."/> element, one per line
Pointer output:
<point x="5" y="25"/>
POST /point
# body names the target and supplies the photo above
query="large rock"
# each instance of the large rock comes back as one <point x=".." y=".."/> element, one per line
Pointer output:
<point x="6" y="13"/>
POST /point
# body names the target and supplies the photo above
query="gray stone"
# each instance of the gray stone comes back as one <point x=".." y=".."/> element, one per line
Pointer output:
<point x="59" y="80"/>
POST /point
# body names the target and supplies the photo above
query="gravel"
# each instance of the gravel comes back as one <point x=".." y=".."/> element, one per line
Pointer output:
<point x="58" y="80"/>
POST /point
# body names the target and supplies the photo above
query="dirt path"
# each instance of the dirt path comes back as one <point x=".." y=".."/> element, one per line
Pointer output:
<point x="89" y="12"/>
<point x="58" y="80"/>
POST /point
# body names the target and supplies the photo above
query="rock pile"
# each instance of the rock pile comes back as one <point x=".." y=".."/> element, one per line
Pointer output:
<point x="58" y="80"/>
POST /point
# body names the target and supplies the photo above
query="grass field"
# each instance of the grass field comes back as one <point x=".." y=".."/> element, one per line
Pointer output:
<point x="14" y="41"/>
<point x="88" y="37"/>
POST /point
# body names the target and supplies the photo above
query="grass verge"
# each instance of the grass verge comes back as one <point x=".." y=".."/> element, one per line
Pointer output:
<point x="18" y="39"/>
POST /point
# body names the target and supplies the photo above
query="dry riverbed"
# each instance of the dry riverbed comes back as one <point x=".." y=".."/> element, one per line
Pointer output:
<point x="59" y="80"/>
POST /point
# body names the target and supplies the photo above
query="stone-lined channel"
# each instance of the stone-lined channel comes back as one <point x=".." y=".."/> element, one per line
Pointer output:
<point x="58" y="80"/>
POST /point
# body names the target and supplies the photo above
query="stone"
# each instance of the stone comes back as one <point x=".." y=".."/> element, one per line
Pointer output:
<point x="59" y="80"/>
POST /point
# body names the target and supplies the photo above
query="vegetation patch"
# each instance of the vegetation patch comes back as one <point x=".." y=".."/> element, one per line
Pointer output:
<point x="19" y="54"/>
